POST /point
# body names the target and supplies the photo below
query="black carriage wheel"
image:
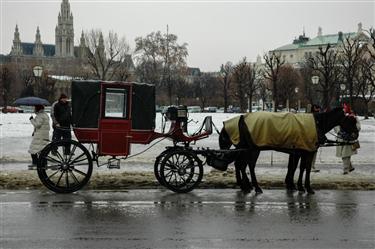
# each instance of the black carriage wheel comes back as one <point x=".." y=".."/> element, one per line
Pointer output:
<point x="64" y="166"/>
<point x="181" y="171"/>
<point x="157" y="164"/>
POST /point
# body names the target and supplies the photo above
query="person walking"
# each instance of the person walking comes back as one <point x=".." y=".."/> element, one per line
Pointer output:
<point x="40" y="135"/>
<point x="54" y="122"/>
<point x="62" y="116"/>
<point x="346" y="151"/>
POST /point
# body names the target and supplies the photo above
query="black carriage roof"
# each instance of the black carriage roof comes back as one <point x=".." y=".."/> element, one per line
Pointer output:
<point x="93" y="83"/>
<point x="86" y="103"/>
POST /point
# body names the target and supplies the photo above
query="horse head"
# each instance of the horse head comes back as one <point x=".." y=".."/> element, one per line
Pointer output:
<point x="349" y="129"/>
<point x="328" y="120"/>
<point x="224" y="141"/>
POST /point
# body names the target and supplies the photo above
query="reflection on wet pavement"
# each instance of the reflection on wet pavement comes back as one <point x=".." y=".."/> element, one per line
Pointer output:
<point x="202" y="219"/>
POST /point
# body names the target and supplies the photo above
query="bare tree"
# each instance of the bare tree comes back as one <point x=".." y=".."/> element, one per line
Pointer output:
<point x="27" y="78"/>
<point x="105" y="56"/>
<point x="349" y="60"/>
<point x="325" y="63"/>
<point x="245" y="78"/>
<point x="371" y="43"/>
<point x="5" y="83"/>
<point x="147" y="54"/>
<point x="289" y="80"/>
<point x="309" y="90"/>
<point x="226" y="78"/>
<point x="205" y="88"/>
<point x="272" y="69"/>
<point x="365" y="82"/>
<point x="161" y="60"/>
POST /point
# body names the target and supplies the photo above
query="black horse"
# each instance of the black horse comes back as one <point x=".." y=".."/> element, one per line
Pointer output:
<point x="324" y="123"/>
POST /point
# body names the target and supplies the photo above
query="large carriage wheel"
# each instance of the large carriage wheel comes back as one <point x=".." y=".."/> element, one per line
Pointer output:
<point x="181" y="171"/>
<point x="157" y="164"/>
<point x="64" y="166"/>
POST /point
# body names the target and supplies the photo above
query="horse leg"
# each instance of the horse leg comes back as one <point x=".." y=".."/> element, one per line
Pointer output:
<point x="252" y="162"/>
<point x="300" y="177"/>
<point x="292" y="166"/>
<point x="241" y="176"/>
<point x="308" y="161"/>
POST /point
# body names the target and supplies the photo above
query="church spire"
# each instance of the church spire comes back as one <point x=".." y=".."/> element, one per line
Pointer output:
<point x="64" y="32"/>
<point x="82" y="46"/>
<point x="16" y="48"/>
<point x="38" y="46"/>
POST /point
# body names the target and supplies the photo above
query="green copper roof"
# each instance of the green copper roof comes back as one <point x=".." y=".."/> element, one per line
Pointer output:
<point x="332" y="39"/>
<point x="325" y="39"/>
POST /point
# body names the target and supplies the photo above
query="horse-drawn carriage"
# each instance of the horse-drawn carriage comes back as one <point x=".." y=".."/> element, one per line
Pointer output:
<point x="107" y="118"/>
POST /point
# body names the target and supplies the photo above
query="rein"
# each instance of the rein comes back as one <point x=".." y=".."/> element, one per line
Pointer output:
<point x="330" y="143"/>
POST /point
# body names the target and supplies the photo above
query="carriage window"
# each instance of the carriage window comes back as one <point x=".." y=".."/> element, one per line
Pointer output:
<point x="115" y="103"/>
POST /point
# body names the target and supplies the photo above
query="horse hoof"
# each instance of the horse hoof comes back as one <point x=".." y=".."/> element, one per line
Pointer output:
<point x="301" y="190"/>
<point x="245" y="189"/>
<point x="291" y="188"/>
<point x="310" y="191"/>
<point x="258" y="190"/>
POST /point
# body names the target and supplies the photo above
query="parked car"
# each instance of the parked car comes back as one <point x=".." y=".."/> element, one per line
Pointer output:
<point x="11" y="109"/>
<point x="193" y="109"/>
<point x="210" y="109"/>
<point x="221" y="110"/>
<point x="234" y="109"/>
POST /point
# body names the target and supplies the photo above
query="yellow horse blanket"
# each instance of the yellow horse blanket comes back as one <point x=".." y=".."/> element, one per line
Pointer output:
<point x="281" y="130"/>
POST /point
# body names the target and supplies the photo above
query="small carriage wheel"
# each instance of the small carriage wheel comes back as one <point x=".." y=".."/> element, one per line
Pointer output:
<point x="181" y="171"/>
<point x="64" y="166"/>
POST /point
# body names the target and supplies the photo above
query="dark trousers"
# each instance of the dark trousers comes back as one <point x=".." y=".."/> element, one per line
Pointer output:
<point x="34" y="157"/>
<point x="62" y="134"/>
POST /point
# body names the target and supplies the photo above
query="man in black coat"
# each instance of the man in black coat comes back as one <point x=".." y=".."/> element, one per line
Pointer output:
<point x="62" y="119"/>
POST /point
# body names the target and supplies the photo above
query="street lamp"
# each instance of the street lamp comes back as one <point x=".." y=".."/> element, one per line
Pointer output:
<point x="298" y="100"/>
<point x="315" y="79"/>
<point x="37" y="70"/>
<point x="342" y="87"/>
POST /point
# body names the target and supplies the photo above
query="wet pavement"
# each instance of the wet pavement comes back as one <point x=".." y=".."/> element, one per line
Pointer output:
<point x="201" y="219"/>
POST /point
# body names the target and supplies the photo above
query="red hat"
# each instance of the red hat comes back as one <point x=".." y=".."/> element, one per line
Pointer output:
<point x="347" y="108"/>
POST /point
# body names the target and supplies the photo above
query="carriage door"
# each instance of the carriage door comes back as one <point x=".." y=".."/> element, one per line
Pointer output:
<point x="115" y="124"/>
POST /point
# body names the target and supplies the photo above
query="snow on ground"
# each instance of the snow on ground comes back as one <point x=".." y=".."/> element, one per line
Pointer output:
<point x="16" y="130"/>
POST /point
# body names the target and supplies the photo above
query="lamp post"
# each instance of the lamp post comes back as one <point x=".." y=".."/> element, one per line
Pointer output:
<point x="298" y="100"/>
<point x="342" y="87"/>
<point x="315" y="81"/>
<point x="37" y="70"/>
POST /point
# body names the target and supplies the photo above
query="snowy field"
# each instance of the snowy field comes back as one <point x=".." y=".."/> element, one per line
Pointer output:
<point x="16" y="130"/>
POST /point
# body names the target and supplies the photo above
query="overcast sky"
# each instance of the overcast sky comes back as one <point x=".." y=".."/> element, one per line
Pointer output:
<point x="216" y="31"/>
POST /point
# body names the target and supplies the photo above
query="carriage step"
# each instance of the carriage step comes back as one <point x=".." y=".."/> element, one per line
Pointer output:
<point x="113" y="163"/>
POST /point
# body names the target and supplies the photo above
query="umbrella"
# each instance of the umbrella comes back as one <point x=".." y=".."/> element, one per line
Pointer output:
<point x="31" y="101"/>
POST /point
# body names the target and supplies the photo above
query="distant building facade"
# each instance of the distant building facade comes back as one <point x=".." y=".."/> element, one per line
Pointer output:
<point x="59" y="59"/>
<point x="50" y="55"/>
<point x="303" y="47"/>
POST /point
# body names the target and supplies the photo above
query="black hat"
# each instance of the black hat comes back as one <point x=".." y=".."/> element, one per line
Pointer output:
<point x="63" y="96"/>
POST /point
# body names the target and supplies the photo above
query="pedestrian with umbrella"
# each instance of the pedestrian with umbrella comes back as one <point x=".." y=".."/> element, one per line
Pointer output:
<point x="41" y="127"/>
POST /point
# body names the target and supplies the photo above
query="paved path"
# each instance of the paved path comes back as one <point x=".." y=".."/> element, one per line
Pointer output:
<point x="202" y="219"/>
